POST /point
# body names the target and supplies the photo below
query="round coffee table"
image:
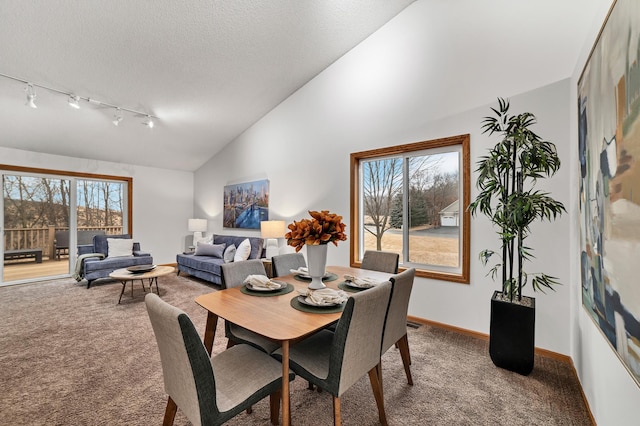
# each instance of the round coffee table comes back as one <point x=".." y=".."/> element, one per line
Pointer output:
<point x="124" y="276"/>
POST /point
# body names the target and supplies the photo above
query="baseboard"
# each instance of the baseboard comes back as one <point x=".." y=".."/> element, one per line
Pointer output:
<point x="539" y="351"/>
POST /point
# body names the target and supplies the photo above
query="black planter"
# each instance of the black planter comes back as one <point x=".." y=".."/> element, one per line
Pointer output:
<point x="512" y="332"/>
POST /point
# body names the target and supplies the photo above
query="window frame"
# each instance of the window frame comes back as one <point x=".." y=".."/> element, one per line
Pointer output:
<point x="79" y="175"/>
<point x="354" y="246"/>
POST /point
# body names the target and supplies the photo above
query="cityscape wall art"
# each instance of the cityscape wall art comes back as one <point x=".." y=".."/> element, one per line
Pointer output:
<point x="246" y="204"/>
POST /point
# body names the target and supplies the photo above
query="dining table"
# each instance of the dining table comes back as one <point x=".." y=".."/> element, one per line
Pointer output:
<point x="275" y="318"/>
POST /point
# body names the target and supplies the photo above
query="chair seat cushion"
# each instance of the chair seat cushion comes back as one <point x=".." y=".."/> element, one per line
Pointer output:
<point x="242" y="335"/>
<point x="113" y="263"/>
<point x="235" y="382"/>
<point x="311" y="354"/>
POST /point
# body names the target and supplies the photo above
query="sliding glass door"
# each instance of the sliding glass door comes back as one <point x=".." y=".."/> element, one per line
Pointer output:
<point x="35" y="208"/>
<point x="45" y="218"/>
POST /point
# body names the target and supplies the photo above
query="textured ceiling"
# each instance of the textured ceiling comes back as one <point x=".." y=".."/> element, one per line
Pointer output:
<point x="207" y="69"/>
<point x="210" y="69"/>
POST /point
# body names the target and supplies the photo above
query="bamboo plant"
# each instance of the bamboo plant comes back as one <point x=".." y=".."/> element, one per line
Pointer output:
<point x="506" y="180"/>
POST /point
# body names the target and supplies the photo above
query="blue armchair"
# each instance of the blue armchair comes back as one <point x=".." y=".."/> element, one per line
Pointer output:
<point x="94" y="261"/>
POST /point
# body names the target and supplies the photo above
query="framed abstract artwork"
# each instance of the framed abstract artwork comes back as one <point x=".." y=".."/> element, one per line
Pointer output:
<point x="609" y="155"/>
<point x="246" y="204"/>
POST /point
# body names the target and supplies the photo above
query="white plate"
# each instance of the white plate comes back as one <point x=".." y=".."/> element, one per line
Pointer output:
<point x="282" y="285"/>
<point x="303" y="300"/>
<point x="361" y="287"/>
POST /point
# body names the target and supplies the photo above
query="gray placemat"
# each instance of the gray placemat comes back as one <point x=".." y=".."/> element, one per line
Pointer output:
<point x="330" y="277"/>
<point x="287" y="289"/>
<point x="348" y="288"/>
<point x="295" y="304"/>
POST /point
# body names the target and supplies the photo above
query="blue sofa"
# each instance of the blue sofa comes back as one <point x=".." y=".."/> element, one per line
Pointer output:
<point x="208" y="267"/>
<point x="95" y="262"/>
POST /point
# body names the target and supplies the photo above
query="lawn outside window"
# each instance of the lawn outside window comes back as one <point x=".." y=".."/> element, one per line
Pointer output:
<point x="411" y="199"/>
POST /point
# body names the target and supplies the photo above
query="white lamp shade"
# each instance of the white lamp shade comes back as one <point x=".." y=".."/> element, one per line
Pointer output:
<point x="272" y="229"/>
<point x="197" y="225"/>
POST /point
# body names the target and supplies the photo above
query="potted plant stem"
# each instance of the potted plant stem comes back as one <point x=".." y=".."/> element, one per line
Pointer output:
<point x="507" y="177"/>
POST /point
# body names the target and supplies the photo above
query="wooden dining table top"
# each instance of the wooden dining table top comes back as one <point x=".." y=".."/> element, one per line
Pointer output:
<point x="273" y="317"/>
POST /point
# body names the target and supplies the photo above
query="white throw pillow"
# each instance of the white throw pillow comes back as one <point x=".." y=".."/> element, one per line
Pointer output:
<point x="242" y="251"/>
<point x="119" y="247"/>
<point x="229" y="253"/>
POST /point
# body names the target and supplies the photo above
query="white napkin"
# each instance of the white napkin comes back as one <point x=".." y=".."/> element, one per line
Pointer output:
<point x="301" y="270"/>
<point x="363" y="282"/>
<point x="325" y="296"/>
<point x="260" y="281"/>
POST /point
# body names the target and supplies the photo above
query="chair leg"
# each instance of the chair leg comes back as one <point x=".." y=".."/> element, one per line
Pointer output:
<point x="403" y="344"/>
<point x="337" y="420"/>
<point x="169" y="413"/>
<point x="379" y="372"/>
<point x="274" y="405"/>
<point x="378" y="394"/>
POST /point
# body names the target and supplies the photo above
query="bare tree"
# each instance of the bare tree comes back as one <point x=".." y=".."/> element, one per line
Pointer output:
<point x="382" y="182"/>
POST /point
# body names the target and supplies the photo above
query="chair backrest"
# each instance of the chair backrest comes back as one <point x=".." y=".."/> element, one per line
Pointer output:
<point x="358" y="336"/>
<point x="283" y="263"/>
<point x="186" y="368"/>
<point x="86" y="236"/>
<point x="382" y="261"/>
<point x="396" y="322"/>
<point x="61" y="239"/>
<point x="234" y="273"/>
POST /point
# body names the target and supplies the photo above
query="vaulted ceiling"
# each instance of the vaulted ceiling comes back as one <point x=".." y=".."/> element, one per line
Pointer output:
<point x="207" y="70"/>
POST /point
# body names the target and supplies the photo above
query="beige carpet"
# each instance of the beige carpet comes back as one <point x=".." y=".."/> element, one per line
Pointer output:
<point x="72" y="356"/>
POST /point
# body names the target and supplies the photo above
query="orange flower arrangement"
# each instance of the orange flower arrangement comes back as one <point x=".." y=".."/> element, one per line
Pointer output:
<point x="324" y="228"/>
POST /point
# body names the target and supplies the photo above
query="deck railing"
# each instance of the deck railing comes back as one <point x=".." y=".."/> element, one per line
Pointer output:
<point x="42" y="238"/>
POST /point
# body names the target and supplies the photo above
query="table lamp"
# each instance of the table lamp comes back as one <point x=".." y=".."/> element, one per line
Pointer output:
<point x="197" y="226"/>
<point x="271" y="230"/>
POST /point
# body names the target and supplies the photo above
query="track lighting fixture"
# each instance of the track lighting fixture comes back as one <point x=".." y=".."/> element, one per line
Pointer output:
<point x="117" y="117"/>
<point x="31" y="96"/>
<point x="74" y="101"/>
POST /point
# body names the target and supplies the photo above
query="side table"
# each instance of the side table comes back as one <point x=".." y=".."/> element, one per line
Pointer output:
<point x="124" y="276"/>
<point x="268" y="266"/>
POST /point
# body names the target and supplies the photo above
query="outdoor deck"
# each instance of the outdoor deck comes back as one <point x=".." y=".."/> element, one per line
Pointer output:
<point x="28" y="268"/>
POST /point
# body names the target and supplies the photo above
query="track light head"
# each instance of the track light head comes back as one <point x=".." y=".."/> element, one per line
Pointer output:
<point x="149" y="122"/>
<point x="73" y="101"/>
<point x="117" y="117"/>
<point x="31" y="96"/>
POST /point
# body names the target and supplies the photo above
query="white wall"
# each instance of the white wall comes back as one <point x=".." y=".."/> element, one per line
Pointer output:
<point x="162" y="199"/>
<point x="612" y="394"/>
<point x="365" y="101"/>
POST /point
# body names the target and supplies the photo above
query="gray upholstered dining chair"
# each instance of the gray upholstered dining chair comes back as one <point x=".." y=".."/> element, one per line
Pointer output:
<point x="233" y="275"/>
<point x="382" y="261"/>
<point x="334" y="361"/>
<point x="209" y="391"/>
<point x="395" y="327"/>
<point x="283" y="263"/>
